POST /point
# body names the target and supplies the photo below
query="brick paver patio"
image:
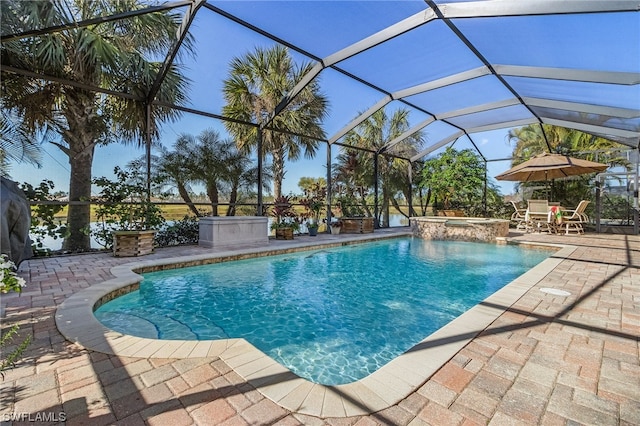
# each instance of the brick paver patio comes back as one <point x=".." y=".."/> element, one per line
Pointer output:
<point x="548" y="360"/>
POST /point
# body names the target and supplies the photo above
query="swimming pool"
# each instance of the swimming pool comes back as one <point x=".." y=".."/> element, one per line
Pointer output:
<point x="333" y="315"/>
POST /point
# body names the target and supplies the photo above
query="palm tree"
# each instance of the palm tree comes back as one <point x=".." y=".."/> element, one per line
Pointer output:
<point x="174" y="167"/>
<point x="207" y="159"/>
<point x="530" y="141"/>
<point x="374" y="134"/>
<point x="111" y="55"/>
<point x="208" y="156"/>
<point x="257" y="83"/>
<point x="16" y="143"/>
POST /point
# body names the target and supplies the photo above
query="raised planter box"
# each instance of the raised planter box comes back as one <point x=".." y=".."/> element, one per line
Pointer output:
<point x="284" y="234"/>
<point x="232" y="231"/>
<point x="133" y="243"/>
<point x="357" y="225"/>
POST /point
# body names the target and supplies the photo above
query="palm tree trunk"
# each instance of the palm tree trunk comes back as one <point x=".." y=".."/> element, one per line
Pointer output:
<point x="80" y="113"/>
<point x="184" y="194"/>
<point x="385" y="205"/>
<point x="212" y="192"/>
<point x="233" y="198"/>
<point x="79" y="216"/>
<point x="397" y="207"/>
<point x="278" y="171"/>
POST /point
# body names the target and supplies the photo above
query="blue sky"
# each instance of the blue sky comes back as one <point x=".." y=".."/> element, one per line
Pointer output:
<point x="322" y="28"/>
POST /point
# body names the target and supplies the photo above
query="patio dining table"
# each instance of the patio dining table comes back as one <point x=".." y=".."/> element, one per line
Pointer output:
<point x="548" y="218"/>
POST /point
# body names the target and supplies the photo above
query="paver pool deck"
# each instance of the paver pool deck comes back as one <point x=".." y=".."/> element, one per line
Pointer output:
<point x="545" y="358"/>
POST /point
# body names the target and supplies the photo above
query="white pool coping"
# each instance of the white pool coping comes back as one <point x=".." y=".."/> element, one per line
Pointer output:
<point x="381" y="389"/>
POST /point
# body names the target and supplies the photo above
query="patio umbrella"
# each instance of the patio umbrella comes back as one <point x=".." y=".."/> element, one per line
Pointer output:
<point x="547" y="166"/>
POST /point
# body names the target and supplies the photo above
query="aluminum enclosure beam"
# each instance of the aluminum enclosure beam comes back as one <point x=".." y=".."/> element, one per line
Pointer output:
<point x="437" y="145"/>
<point x="181" y="34"/>
<point x="590" y="128"/>
<point x="503" y="125"/>
<point x="610" y="77"/>
<point x="585" y="108"/>
<point x="479" y="108"/>
<point x="478" y="54"/>
<point x="7" y="68"/>
<point x="388" y="33"/>
<point x="381" y="103"/>
<point x="493" y="8"/>
<point x="442" y="82"/>
<point x="408" y="133"/>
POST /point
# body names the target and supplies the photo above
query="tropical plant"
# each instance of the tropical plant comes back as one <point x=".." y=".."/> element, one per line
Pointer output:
<point x="284" y="213"/>
<point x="16" y="143"/>
<point x="184" y="231"/>
<point x="455" y="178"/>
<point x="315" y="197"/>
<point x="123" y="205"/>
<point x="112" y="55"/>
<point x="532" y="140"/>
<point x="173" y="168"/>
<point x="256" y="85"/>
<point x="375" y="133"/>
<point x="306" y="183"/>
<point x="241" y="179"/>
<point x="10" y="281"/>
<point x="43" y="216"/>
<point x="351" y="184"/>
<point x="207" y="159"/>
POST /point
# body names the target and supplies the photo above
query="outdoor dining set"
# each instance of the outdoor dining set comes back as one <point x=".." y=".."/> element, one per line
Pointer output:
<point x="543" y="215"/>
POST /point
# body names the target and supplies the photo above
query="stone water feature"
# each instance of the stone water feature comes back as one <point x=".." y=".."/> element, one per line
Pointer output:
<point x="460" y="228"/>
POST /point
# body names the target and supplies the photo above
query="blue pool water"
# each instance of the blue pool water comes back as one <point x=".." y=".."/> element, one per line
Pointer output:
<point x="332" y="316"/>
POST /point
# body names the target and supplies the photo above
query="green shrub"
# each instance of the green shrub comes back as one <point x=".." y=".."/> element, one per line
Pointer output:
<point x="183" y="231"/>
<point x="43" y="221"/>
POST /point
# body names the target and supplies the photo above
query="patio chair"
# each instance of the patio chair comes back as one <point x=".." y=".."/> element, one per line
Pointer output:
<point x="519" y="216"/>
<point x="572" y="220"/>
<point x="537" y="216"/>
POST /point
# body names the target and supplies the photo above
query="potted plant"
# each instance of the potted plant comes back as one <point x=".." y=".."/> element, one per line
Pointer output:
<point x="127" y="221"/>
<point x="285" y="222"/>
<point x="313" y="203"/>
<point x="354" y="219"/>
<point x="335" y="225"/>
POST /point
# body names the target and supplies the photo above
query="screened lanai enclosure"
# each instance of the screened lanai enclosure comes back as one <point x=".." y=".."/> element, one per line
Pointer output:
<point x="320" y="89"/>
